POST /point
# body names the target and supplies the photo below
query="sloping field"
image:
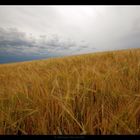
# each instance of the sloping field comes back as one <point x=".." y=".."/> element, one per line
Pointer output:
<point x="87" y="94"/>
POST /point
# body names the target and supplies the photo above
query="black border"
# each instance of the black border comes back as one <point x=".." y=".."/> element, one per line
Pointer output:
<point x="71" y="137"/>
<point x="69" y="2"/>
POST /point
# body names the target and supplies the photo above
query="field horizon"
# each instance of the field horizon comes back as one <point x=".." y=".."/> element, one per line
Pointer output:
<point x="87" y="94"/>
<point x="66" y="56"/>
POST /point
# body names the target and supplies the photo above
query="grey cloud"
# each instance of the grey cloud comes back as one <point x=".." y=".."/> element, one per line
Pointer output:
<point x="16" y="42"/>
<point x="131" y="40"/>
<point x="104" y="27"/>
<point x="11" y="34"/>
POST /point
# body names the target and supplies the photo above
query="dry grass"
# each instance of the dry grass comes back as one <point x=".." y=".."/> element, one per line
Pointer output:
<point x="86" y="94"/>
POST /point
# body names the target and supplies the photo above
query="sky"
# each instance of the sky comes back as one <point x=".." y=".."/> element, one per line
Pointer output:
<point x="35" y="32"/>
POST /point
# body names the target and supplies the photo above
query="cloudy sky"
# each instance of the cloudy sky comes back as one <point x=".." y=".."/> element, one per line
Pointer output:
<point x="34" y="32"/>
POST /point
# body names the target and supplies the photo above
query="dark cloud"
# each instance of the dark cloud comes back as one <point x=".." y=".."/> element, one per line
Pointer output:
<point x="15" y="42"/>
<point x="11" y="34"/>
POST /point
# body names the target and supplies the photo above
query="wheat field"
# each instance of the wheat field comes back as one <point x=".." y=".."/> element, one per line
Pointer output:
<point x="91" y="94"/>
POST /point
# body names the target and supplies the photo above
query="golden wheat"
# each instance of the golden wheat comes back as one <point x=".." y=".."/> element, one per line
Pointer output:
<point x="95" y="93"/>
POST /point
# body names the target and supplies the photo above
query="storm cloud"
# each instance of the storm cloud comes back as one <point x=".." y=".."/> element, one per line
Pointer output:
<point x="66" y="30"/>
<point x="19" y="43"/>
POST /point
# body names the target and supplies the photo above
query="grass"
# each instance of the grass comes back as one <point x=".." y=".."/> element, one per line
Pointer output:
<point x="95" y="93"/>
